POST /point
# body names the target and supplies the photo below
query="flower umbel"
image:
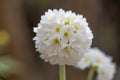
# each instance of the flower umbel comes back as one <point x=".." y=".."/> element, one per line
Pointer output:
<point x="62" y="37"/>
<point x="106" y="71"/>
<point x="101" y="63"/>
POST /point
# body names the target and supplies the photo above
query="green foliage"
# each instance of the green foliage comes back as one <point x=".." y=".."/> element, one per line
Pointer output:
<point x="7" y="66"/>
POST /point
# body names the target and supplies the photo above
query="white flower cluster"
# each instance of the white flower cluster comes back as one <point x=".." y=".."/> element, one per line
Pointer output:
<point x="96" y="58"/>
<point x="106" y="71"/>
<point x="62" y="37"/>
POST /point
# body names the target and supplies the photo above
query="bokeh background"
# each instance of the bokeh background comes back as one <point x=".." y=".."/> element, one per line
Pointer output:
<point x="18" y="59"/>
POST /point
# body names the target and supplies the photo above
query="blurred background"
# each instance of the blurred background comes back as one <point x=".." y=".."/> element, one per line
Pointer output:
<point x="18" y="59"/>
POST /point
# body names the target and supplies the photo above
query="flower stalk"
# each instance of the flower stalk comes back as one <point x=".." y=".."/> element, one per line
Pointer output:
<point x="62" y="72"/>
<point x="91" y="74"/>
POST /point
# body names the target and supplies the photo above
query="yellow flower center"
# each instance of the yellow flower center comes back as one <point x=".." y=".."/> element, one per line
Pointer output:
<point x="66" y="34"/>
<point x="103" y="73"/>
<point x="56" y="41"/>
<point x="57" y="29"/>
<point x="46" y="39"/>
<point x="76" y="28"/>
<point x="98" y="61"/>
<point x="65" y="47"/>
<point x="86" y="60"/>
<point x="68" y="21"/>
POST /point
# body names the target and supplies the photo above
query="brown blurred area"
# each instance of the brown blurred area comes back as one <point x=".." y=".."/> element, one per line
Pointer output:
<point x="18" y="17"/>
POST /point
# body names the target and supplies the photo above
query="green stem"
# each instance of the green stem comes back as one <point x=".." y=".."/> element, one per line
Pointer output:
<point x="62" y="72"/>
<point x="91" y="74"/>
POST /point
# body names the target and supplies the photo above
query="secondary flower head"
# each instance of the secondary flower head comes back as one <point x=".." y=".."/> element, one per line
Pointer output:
<point x="106" y="71"/>
<point x="93" y="57"/>
<point x="62" y="37"/>
<point x="102" y="63"/>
